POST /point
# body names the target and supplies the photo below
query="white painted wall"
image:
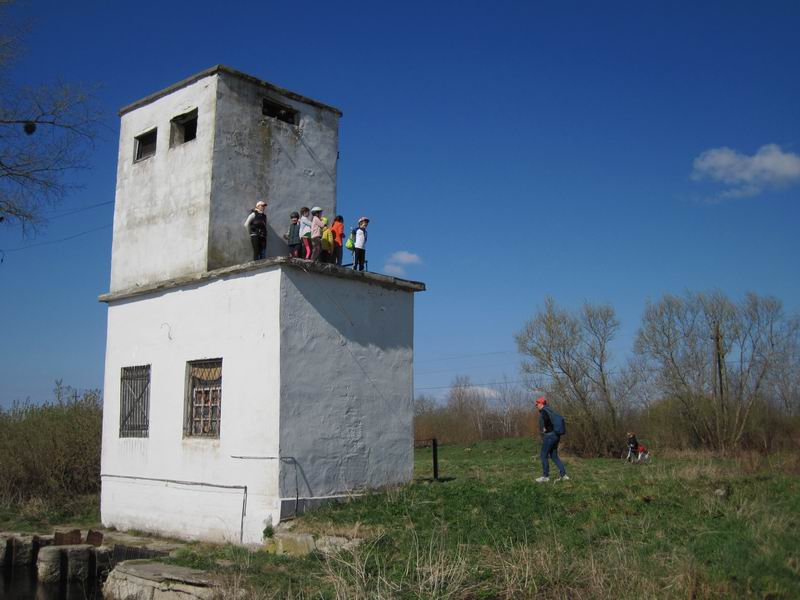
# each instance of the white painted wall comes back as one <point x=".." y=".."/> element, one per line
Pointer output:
<point x="346" y="385"/>
<point x="162" y="203"/>
<point x="258" y="157"/>
<point x="235" y="318"/>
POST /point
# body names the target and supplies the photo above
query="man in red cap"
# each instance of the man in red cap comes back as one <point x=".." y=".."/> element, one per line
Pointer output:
<point x="552" y="426"/>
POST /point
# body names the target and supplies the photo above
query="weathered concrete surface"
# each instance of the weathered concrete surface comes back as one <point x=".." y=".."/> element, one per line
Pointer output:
<point x="103" y="556"/>
<point x="235" y="319"/>
<point x="48" y="564"/>
<point x="291" y="439"/>
<point x="23" y="550"/>
<point x="5" y="548"/>
<point x="386" y="281"/>
<point x="301" y="544"/>
<point x="258" y="157"/>
<point x="346" y="400"/>
<point x="189" y="199"/>
<point x="147" y="580"/>
<point x="77" y="558"/>
<point x="163" y="201"/>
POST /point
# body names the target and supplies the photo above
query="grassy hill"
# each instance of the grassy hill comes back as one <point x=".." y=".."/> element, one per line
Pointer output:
<point x="683" y="527"/>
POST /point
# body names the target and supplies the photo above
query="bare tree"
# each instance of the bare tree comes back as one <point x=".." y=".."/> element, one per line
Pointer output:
<point x="568" y="353"/>
<point x="717" y="358"/>
<point x="45" y="133"/>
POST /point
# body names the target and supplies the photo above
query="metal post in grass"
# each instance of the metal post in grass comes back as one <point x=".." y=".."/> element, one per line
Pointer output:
<point x="435" y="447"/>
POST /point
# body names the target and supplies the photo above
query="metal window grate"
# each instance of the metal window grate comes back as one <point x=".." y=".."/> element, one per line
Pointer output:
<point x="134" y="414"/>
<point x="204" y="398"/>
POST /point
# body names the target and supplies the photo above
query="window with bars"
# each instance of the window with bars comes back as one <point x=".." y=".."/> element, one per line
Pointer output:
<point x="134" y="395"/>
<point x="203" y="398"/>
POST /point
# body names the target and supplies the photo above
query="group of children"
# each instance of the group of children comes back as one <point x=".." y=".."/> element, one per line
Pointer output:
<point x="310" y="236"/>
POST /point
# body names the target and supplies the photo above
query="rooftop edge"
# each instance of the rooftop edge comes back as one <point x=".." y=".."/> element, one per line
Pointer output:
<point x="225" y="69"/>
<point x="328" y="269"/>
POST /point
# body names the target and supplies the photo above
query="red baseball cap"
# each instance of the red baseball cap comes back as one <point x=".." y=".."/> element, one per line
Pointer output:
<point x="541" y="401"/>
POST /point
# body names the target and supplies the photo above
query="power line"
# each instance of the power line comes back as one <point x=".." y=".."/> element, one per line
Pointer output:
<point x="471" y="385"/>
<point x="58" y="241"/>
<point x="77" y="210"/>
<point x="457" y="356"/>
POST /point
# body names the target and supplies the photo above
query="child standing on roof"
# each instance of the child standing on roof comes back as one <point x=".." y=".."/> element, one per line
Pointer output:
<point x="256" y="225"/>
<point x="338" y="239"/>
<point x="327" y="241"/>
<point x="316" y="233"/>
<point x="305" y="233"/>
<point x="360" y="245"/>
<point x="292" y="236"/>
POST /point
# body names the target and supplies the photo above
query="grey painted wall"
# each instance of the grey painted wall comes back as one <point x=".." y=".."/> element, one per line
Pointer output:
<point x="346" y="407"/>
<point x="258" y="157"/>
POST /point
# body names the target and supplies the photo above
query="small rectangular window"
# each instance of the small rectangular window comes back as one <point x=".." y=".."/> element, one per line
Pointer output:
<point x="134" y="402"/>
<point x="145" y="145"/>
<point x="183" y="129"/>
<point x="203" y="398"/>
<point x="276" y="110"/>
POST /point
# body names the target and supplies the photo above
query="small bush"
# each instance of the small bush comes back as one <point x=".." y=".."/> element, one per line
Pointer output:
<point x="51" y="451"/>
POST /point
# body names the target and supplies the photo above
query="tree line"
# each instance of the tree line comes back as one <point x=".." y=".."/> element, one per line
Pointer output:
<point x="705" y="372"/>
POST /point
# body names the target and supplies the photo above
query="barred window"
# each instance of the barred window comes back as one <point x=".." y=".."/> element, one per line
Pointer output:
<point x="203" y="398"/>
<point x="134" y="405"/>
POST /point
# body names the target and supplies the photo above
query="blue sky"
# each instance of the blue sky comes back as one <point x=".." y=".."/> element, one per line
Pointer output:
<point x="605" y="152"/>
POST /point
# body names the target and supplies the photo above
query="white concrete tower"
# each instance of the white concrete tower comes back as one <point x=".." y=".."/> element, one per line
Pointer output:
<point x="193" y="160"/>
<point x="240" y="392"/>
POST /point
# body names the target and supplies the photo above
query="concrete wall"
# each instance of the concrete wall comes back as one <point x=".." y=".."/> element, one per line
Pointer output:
<point x="162" y="202"/>
<point x="346" y="385"/>
<point x="258" y="157"/>
<point x="236" y="319"/>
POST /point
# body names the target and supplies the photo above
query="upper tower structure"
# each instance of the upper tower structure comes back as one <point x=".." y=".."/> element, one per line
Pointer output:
<point x="195" y="157"/>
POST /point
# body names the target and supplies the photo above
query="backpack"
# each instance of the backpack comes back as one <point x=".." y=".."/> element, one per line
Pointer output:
<point x="350" y="244"/>
<point x="559" y="423"/>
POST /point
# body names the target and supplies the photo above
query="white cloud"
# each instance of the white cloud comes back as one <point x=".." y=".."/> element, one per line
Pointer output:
<point x="401" y="257"/>
<point x="392" y="269"/>
<point x="744" y="175"/>
<point x="398" y="261"/>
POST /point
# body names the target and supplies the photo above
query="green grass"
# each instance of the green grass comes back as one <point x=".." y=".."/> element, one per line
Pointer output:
<point x="613" y="531"/>
<point x="38" y="516"/>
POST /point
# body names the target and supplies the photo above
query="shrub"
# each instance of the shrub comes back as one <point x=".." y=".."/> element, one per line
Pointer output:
<point x="52" y="450"/>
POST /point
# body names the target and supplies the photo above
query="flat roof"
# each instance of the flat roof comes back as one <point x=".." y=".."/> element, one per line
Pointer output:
<point x="233" y="72"/>
<point x="308" y="266"/>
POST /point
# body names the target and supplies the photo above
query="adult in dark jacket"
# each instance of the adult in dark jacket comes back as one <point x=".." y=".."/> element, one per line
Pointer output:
<point x="256" y="225"/>
<point x="551" y="427"/>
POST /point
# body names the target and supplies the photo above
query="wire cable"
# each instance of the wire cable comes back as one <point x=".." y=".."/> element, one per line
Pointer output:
<point x="58" y="241"/>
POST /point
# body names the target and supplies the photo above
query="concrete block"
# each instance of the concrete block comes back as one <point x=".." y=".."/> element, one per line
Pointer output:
<point x="5" y="549"/>
<point x="103" y="556"/>
<point x="48" y="565"/>
<point x="146" y="580"/>
<point x="331" y="544"/>
<point x="294" y="544"/>
<point x="77" y="558"/>
<point x="23" y="550"/>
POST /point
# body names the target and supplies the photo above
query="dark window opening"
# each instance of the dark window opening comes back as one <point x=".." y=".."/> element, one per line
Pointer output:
<point x="278" y="111"/>
<point x="134" y="401"/>
<point x="203" y="398"/>
<point x="183" y="128"/>
<point x="145" y="145"/>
